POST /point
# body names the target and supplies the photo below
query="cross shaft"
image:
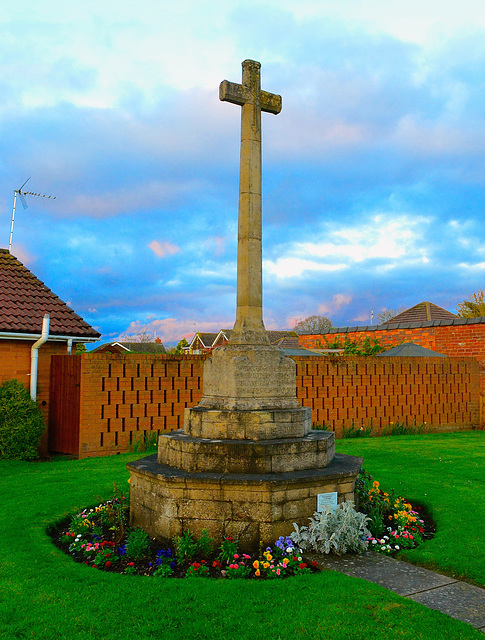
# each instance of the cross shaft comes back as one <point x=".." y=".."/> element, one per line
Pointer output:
<point x="249" y="326"/>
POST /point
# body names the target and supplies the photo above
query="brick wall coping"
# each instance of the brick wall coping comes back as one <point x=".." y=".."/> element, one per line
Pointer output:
<point x="401" y="325"/>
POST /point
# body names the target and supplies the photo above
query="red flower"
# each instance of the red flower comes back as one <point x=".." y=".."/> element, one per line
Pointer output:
<point x="131" y="564"/>
<point x="230" y="538"/>
<point x="216" y="564"/>
<point x="302" y="565"/>
<point x="196" y="565"/>
<point x="203" y="562"/>
<point x="314" y="563"/>
<point x="107" y="564"/>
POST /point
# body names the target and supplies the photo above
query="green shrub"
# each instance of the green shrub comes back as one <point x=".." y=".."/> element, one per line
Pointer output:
<point x="21" y="423"/>
<point x="341" y="531"/>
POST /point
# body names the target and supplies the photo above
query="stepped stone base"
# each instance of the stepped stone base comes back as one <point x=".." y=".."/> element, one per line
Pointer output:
<point x="252" y="508"/>
<point x="313" y="451"/>
<point x="200" y="422"/>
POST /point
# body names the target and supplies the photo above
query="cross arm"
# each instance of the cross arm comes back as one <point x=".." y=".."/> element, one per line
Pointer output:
<point x="233" y="92"/>
<point x="240" y="94"/>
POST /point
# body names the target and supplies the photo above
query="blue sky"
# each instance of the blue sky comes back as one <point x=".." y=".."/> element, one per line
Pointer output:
<point x="373" y="173"/>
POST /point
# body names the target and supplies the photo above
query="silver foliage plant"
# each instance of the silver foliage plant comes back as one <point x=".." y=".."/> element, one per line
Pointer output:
<point x="341" y="531"/>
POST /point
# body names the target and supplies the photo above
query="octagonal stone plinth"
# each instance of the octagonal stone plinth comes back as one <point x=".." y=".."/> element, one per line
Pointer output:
<point x="252" y="508"/>
<point x="313" y="451"/>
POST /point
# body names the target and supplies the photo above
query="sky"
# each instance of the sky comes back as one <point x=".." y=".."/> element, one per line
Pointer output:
<point x="373" y="172"/>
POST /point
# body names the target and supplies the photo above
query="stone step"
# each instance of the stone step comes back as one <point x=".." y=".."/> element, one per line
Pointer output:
<point x="313" y="451"/>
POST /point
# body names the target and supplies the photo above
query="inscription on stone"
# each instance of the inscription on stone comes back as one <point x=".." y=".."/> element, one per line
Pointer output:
<point x="327" y="500"/>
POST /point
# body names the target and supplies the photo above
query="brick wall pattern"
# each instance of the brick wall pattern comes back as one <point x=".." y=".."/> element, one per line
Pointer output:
<point x="116" y="402"/>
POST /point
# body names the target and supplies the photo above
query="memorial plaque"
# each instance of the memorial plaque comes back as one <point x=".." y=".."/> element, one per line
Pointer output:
<point x="328" y="500"/>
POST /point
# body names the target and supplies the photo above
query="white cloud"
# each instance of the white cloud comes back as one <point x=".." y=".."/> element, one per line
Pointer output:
<point x="386" y="237"/>
<point x="290" y="267"/>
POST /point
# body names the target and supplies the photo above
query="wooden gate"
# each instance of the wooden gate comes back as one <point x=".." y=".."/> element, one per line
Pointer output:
<point x="64" y="404"/>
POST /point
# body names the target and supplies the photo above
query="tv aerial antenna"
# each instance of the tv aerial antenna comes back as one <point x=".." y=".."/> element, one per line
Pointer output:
<point x="22" y="195"/>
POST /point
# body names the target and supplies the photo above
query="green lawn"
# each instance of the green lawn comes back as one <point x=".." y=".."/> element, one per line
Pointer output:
<point x="46" y="595"/>
<point x="446" y="473"/>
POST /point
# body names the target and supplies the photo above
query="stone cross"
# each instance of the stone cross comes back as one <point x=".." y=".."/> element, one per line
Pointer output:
<point x="249" y="327"/>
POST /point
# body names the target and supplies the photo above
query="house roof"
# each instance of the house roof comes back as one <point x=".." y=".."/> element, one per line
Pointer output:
<point x="412" y="350"/>
<point x="130" y="347"/>
<point x="438" y="318"/>
<point x="422" y="312"/>
<point x="209" y="339"/>
<point x="24" y="300"/>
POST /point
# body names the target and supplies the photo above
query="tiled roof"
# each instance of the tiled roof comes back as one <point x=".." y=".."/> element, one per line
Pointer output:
<point x="439" y="317"/>
<point x="130" y="347"/>
<point x="422" y="312"/>
<point x="24" y="300"/>
<point x="207" y="338"/>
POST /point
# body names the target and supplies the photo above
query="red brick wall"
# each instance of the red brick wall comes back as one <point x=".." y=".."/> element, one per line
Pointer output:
<point x="425" y="337"/>
<point x="124" y="398"/>
<point x="441" y="393"/>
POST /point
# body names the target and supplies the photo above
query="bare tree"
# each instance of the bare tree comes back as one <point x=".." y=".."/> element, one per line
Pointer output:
<point x="388" y="314"/>
<point x="143" y="342"/>
<point x="313" y="324"/>
<point x="474" y="307"/>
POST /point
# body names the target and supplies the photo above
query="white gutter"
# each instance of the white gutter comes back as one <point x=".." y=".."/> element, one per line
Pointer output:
<point x="34" y="356"/>
<point x="9" y="335"/>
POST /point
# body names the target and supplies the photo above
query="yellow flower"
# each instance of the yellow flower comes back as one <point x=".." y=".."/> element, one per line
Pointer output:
<point x="285" y="561"/>
<point x="256" y="564"/>
<point x="265" y="565"/>
<point x="257" y="572"/>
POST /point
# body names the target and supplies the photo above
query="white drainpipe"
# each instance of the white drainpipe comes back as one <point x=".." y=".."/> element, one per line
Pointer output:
<point x="69" y="346"/>
<point x="34" y="356"/>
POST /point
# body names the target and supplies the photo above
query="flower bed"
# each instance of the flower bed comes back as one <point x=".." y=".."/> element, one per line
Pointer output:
<point x="393" y="522"/>
<point x="100" y="538"/>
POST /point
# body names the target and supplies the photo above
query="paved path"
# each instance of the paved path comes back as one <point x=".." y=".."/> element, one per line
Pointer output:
<point x="455" y="598"/>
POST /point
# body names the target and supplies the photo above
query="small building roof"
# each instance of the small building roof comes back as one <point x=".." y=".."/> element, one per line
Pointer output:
<point x="24" y="300"/>
<point x="422" y="312"/>
<point x="130" y="347"/>
<point x="412" y="350"/>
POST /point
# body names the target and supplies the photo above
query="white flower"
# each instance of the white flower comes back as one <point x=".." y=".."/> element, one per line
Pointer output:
<point x="383" y="548"/>
<point x="374" y="541"/>
<point x="397" y="547"/>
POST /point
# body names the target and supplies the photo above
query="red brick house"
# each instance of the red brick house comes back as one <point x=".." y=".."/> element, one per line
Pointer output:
<point x="24" y="301"/>
<point x="205" y="342"/>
